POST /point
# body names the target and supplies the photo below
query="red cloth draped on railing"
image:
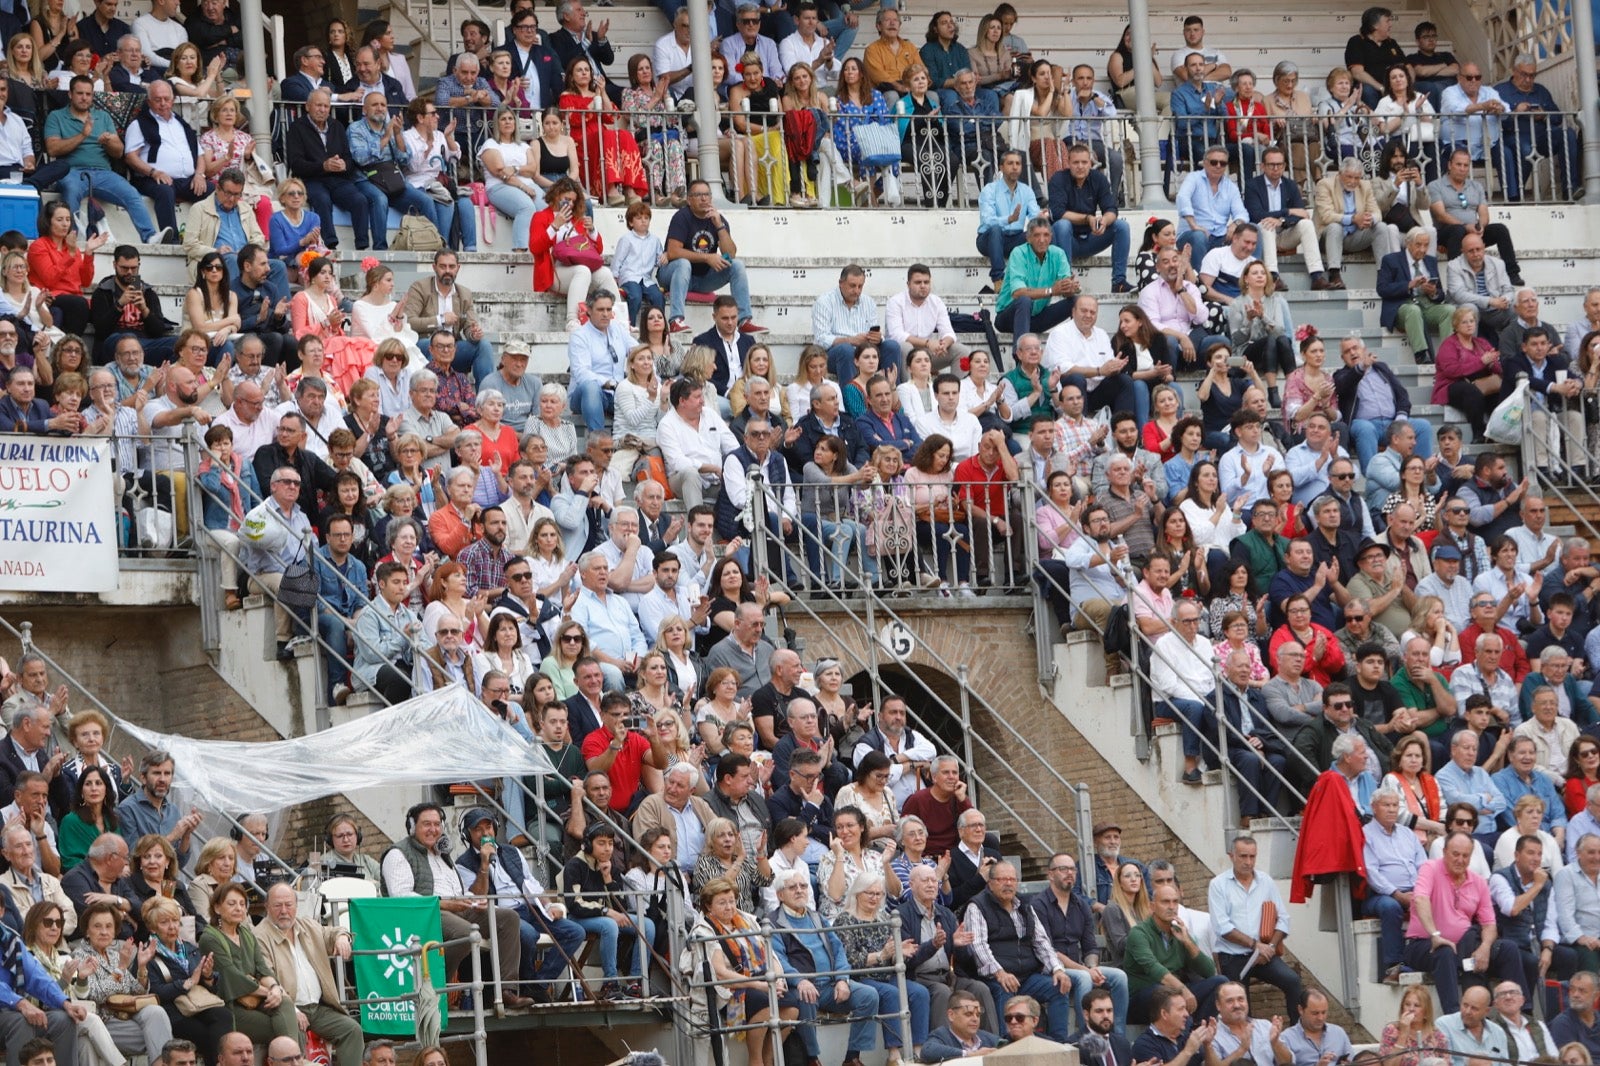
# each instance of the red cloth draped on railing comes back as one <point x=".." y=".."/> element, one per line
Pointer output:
<point x="1330" y="839"/>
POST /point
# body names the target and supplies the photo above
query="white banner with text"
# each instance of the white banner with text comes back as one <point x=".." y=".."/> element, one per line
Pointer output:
<point x="58" y="518"/>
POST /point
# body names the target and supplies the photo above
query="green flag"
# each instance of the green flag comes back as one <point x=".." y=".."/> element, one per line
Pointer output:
<point x="382" y="924"/>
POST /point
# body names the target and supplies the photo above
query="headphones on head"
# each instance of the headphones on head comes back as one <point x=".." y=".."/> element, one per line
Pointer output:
<point x="327" y="831"/>
<point x="236" y="830"/>
<point x="417" y="811"/>
<point x="473" y="818"/>
<point x="596" y="830"/>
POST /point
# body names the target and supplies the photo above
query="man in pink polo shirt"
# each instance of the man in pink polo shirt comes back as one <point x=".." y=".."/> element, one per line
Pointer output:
<point x="1452" y="920"/>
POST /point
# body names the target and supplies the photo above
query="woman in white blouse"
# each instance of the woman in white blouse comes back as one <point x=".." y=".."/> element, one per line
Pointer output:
<point x="641" y="400"/>
<point x="431" y="157"/>
<point x="377" y="314"/>
<point x="511" y="177"/>
<point x="916" y="392"/>
<point x="1212" y="520"/>
<point x="980" y="393"/>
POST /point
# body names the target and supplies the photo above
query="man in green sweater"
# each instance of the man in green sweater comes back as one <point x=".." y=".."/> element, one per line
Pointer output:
<point x="1160" y="952"/>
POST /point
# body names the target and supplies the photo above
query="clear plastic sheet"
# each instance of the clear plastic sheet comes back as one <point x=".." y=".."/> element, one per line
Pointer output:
<point x="442" y="737"/>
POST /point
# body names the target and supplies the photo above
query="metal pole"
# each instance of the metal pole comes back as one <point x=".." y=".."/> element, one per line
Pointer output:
<point x="1086" y="855"/>
<point x="1588" y="97"/>
<point x="1229" y="792"/>
<point x="705" y="107"/>
<point x="1146" y="121"/>
<point x="900" y="979"/>
<point x="966" y="734"/>
<point x="480" y="1033"/>
<point x="255" y="74"/>
<point x="774" y="1026"/>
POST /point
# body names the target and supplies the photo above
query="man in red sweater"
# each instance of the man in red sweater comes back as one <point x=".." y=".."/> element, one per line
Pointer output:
<point x="940" y="804"/>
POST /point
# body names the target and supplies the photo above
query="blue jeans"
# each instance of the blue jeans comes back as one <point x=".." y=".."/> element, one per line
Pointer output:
<point x="368" y="207"/>
<point x="1116" y="984"/>
<point x="889" y="1007"/>
<point x="166" y="197"/>
<point x="593" y="402"/>
<point x="606" y="929"/>
<point x="1190" y="712"/>
<point x="157" y="350"/>
<point x="844" y="36"/>
<point x="510" y="200"/>
<point x="1077" y="243"/>
<point x="1391" y="927"/>
<point x="861" y="1004"/>
<point x="842" y="360"/>
<point x="1119" y="392"/>
<point x="112" y="188"/>
<point x="567" y="934"/>
<point x="477" y="356"/>
<point x="1042" y="988"/>
<point x="839" y="536"/>
<point x="679" y="280"/>
<point x="331" y="628"/>
<point x="997" y="243"/>
<point x="277" y="283"/>
<point x="1369" y="432"/>
<point x="637" y="292"/>
<point x="1200" y="242"/>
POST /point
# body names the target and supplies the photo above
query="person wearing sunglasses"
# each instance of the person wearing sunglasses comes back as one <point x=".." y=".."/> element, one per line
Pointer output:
<point x="1459" y="202"/>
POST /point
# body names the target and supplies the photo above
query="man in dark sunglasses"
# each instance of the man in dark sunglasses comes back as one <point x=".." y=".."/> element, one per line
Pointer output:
<point x="1460" y="204"/>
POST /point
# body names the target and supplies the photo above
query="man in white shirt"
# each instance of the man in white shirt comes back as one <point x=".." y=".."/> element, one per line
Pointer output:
<point x="162" y="157"/>
<point x="672" y="595"/>
<point x="1529" y="1035"/>
<point x="1194" y="40"/>
<point x="522" y="509"/>
<point x="159" y="32"/>
<point x="670" y="59"/>
<point x="1537" y="548"/>
<point x="1082" y="353"/>
<point x="321" y="417"/>
<point x="918" y="319"/>
<point x="1244" y="469"/>
<point x="16" y="144"/>
<point x="806" y="45"/>
<point x="947" y="418"/>
<point x="414" y="867"/>
<point x="1181" y="676"/>
<point x="252" y="427"/>
<point x="693" y="440"/>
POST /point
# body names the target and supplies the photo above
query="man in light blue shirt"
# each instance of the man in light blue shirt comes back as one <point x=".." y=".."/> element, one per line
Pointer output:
<point x="1521" y="778"/>
<point x="598" y="354"/>
<point x="1004" y="207"/>
<point x="1236" y="899"/>
<point x="1471" y="120"/>
<point x="1462" y="780"/>
<point x="1198" y="109"/>
<point x="1315" y="1039"/>
<point x="1583" y="823"/>
<point x="1577" y="903"/>
<point x="1209" y="206"/>
<point x="1470" y="1032"/>
<point x="1392" y="855"/>
<point x="614" y="635"/>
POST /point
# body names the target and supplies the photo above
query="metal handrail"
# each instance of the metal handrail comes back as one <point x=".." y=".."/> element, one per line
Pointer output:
<point x="875" y="603"/>
<point x="1225" y="728"/>
<point x="1564" y="442"/>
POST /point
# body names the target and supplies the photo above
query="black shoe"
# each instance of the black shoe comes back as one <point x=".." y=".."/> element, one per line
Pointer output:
<point x="1273" y="399"/>
<point x="1515" y="279"/>
<point x="987" y="290"/>
<point x="284" y="653"/>
<point x="1121" y="287"/>
<point x="1191" y="777"/>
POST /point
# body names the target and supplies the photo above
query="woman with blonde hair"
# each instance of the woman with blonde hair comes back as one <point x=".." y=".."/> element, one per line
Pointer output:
<point x="511" y="176"/>
<point x="1428" y="621"/>
<point x="810" y="372"/>
<point x="642" y="398"/>
<point x="685" y="670"/>
<point x="760" y="162"/>
<point x="652" y="694"/>
<point x="195" y="83"/>
<point x="225" y="144"/>
<point x="1130" y="905"/>
<point x="805" y="106"/>
<point x="295" y="228"/>
<point x="1411" y="1039"/>
<point x="570" y="644"/>
<point x="216" y="866"/>
<point x="552" y="571"/>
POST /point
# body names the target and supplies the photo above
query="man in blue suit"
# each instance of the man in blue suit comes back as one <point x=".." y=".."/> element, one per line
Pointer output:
<point x="574" y="38"/>
<point x="1275" y="204"/>
<point x="533" y="59"/>
<point x="1543" y="361"/>
<point x="1413" y="298"/>
<point x="309" y="66"/>
<point x="962" y="1034"/>
<point x="882" y="424"/>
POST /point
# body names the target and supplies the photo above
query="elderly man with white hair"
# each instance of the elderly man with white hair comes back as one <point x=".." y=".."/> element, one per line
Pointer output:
<point x="447" y="661"/>
<point x="1393" y="855"/>
<point x="424" y="418"/>
<point x="1350" y="760"/>
<point x="24" y="878"/>
<point x="942" y="943"/>
<point x="1346" y="214"/>
<point x="614" y="634"/>
<point x="1462" y="780"/>
<point x="632" y="564"/>
<point x="679" y="811"/>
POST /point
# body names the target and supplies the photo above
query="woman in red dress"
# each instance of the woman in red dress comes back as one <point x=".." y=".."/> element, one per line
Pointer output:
<point x="609" y="156"/>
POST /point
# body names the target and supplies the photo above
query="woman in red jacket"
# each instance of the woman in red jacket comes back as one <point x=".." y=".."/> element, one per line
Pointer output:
<point x="58" y="266"/>
<point x="566" y="248"/>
